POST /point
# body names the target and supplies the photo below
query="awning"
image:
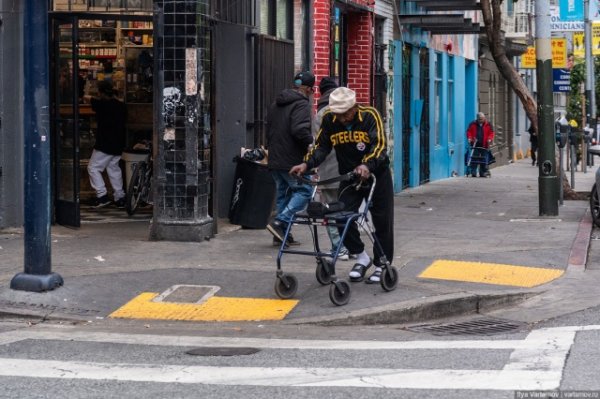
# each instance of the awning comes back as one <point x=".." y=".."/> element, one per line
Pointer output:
<point x="443" y="23"/>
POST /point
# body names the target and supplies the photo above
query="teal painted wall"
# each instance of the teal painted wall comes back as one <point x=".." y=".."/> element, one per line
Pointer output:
<point x="446" y="153"/>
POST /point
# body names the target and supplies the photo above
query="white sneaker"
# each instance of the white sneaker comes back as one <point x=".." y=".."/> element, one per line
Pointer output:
<point x="344" y="254"/>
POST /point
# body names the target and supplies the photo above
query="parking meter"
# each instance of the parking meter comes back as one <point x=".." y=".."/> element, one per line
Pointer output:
<point x="563" y="131"/>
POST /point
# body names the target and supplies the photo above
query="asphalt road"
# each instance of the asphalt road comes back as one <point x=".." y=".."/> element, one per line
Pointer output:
<point x="120" y="360"/>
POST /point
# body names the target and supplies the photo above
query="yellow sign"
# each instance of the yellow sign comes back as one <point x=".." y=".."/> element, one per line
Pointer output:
<point x="596" y="39"/>
<point x="559" y="54"/>
<point x="528" y="59"/>
<point x="579" y="44"/>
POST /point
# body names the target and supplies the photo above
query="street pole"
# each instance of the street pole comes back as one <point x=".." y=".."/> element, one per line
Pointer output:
<point x="37" y="276"/>
<point x="547" y="180"/>
<point x="590" y="93"/>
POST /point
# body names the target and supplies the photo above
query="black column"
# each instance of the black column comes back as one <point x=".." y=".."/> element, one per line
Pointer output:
<point x="182" y="121"/>
<point x="37" y="276"/>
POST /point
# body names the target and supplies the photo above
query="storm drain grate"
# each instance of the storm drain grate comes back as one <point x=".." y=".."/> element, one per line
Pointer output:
<point x="48" y="308"/>
<point x="482" y="326"/>
<point x="222" y="351"/>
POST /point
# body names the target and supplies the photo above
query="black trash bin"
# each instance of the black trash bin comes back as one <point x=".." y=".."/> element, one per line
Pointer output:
<point x="252" y="195"/>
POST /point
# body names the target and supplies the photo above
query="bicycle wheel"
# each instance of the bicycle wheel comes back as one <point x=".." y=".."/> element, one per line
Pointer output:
<point x="135" y="188"/>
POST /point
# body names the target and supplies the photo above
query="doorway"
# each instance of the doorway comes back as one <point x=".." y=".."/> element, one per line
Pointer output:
<point x="87" y="49"/>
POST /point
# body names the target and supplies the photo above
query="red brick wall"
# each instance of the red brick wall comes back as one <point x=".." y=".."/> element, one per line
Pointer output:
<point x="360" y="43"/>
<point x="321" y="35"/>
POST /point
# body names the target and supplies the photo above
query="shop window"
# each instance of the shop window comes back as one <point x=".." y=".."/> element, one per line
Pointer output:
<point x="102" y="5"/>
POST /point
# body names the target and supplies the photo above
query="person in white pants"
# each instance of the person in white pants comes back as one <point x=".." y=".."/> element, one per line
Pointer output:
<point x="98" y="162"/>
<point x="111" y="117"/>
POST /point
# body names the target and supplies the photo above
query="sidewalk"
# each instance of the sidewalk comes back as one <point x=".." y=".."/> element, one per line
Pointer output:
<point x="495" y="221"/>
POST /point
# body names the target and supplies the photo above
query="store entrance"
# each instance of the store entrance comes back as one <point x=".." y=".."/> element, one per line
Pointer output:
<point x="87" y="49"/>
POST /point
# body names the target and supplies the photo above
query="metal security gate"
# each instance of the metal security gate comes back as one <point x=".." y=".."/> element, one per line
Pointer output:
<point x="274" y="72"/>
<point x="406" y="102"/>
<point x="424" y="88"/>
<point x="379" y="73"/>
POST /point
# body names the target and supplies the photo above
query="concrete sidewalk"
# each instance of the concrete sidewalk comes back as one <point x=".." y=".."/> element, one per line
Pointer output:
<point x="480" y="223"/>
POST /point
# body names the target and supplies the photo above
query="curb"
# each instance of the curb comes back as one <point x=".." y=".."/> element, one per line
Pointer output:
<point x="441" y="306"/>
<point x="9" y="312"/>
<point x="581" y="243"/>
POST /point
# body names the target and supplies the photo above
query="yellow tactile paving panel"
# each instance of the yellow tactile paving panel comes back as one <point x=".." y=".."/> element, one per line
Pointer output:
<point x="214" y="309"/>
<point x="490" y="273"/>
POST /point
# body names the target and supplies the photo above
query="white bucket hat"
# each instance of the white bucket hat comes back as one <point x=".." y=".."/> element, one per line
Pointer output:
<point x="341" y="100"/>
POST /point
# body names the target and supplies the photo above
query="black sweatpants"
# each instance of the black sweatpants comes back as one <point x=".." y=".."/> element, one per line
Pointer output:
<point x="382" y="215"/>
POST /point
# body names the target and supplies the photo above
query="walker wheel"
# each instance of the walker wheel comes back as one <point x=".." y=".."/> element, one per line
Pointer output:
<point x="339" y="293"/>
<point x="389" y="278"/>
<point x="286" y="286"/>
<point x="322" y="276"/>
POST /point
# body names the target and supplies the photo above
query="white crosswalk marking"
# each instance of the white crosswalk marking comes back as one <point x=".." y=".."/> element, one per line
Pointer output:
<point x="536" y="362"/>
<point x="282" y="376"/>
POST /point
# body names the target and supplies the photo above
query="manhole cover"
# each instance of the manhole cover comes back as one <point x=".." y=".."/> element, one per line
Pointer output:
<point x="471" y="327"/>
<point x="223" y="351"/>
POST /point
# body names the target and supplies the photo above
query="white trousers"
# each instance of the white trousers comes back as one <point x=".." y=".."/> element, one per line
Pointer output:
<point x="100" y="161"/>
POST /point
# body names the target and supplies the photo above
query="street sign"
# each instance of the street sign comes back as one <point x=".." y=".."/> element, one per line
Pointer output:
<point x="558" y="24"/>
<point x="561" y="80"/>
<point x="571" y="10"/>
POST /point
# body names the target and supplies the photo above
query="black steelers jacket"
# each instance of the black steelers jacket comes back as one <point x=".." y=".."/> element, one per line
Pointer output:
<point x="362" y="141"/>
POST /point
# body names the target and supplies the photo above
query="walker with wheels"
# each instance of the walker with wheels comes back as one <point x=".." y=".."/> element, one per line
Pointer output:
<point x="478" y="156"/>
<point x="319" y="214"/>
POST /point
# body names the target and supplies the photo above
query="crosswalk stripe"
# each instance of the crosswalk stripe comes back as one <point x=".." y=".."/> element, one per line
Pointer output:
<point x="263" y="343"/>
<point x="536" y="362"/>
<point x="284" y="376"/>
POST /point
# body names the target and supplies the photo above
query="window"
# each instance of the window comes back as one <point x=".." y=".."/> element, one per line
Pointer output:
<point x="450" y="99"/>
<point x="276" y="18"/>
<point x="102" y="5"/>
<point x="302" y="35"/>
<point x="437" y="91"/>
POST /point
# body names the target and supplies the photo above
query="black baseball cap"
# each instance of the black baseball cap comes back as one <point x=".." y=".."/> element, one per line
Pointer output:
<point x="304" y="79"/>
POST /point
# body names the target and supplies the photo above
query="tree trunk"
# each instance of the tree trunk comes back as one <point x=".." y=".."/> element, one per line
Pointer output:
<point x="492" y="18"/>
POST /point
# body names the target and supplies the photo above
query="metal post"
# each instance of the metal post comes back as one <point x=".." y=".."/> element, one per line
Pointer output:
<point x="573" y="150"/>
<point x="548" y="190"/>
<point x="38" y="275"/>
<point x="590" y="94"/>
<point x="560" y="176"/>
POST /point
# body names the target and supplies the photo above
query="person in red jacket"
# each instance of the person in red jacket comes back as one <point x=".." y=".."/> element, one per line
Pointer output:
<point x="480" y="133"/>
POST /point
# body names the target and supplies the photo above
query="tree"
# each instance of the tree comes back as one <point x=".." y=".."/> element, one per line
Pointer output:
<point x="492" y="18"/>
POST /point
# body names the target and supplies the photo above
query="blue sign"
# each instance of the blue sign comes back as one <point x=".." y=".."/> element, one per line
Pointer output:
<point x="561" y="80"/>
<point x="571" y="10"/>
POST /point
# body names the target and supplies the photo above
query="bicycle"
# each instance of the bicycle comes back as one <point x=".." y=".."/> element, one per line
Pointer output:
<point x="139" y="189"/>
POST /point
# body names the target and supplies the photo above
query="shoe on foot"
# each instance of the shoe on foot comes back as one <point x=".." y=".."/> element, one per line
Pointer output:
<point x="277" y="229"/>
<point x="120" y="203"/>
<point x="290" y="240"/>
<point x="277" y="243"/>
<point x="101" y="202"/>
<point x="375" y="277"/>
<point x="344" y="254"/>
<point x="358" y="272"/>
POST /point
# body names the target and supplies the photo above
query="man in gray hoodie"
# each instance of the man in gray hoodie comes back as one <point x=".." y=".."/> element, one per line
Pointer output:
<point x="329" y="167"/>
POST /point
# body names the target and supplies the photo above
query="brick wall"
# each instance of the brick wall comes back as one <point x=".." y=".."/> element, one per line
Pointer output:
<point x="321" y="34"/>
<point x="360" y="44"/>
<point x="360" y="54"/>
